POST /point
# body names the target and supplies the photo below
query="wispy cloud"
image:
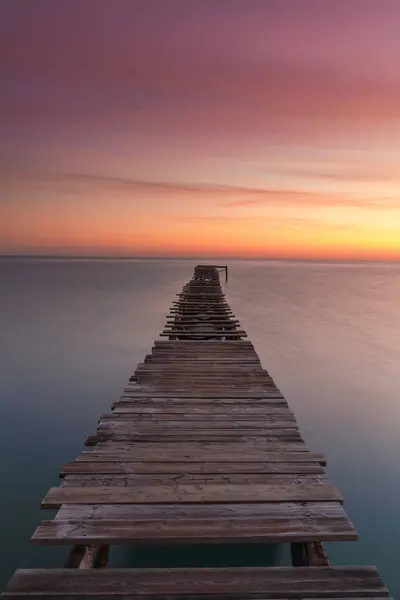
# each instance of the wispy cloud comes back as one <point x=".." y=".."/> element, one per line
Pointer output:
<point x="215" y="220"/>
<point x="369" y="171"/>
<point x="310" y="199"/>
<point x="218" y="196"/>
<point x="309" y="223"/>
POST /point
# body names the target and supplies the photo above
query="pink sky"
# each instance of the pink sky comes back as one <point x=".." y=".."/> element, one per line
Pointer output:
<point x="200" y="127"/>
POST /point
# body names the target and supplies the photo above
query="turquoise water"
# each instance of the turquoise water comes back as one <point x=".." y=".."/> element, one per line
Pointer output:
<point x="73" y="331"/>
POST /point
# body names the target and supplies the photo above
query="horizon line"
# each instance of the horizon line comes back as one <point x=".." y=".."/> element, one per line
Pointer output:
<point x="244" y="258"/>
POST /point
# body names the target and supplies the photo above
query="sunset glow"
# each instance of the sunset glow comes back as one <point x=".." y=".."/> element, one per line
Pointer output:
<point x="257" y="128"/>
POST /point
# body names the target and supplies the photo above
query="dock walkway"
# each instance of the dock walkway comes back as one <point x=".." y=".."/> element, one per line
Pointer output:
<point x="201" y="447"/>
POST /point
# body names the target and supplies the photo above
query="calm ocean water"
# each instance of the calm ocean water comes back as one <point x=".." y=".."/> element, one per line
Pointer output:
<point x="72" y="331"/>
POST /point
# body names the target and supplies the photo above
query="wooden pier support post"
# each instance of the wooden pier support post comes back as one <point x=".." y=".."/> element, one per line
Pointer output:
<point x="87" y="557"/>
<point x="309" y="555"/>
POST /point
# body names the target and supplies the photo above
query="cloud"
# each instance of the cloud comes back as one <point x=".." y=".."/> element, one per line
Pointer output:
<point x="283" y="223"/>
<point x="218" y="196"/>
<point x="309" y="199"/>
<point x="215" y="220"/>
<point x="338" y="171"/>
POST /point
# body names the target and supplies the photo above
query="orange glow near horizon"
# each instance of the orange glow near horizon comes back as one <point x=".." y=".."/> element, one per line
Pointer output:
<point x="253" y="224"/>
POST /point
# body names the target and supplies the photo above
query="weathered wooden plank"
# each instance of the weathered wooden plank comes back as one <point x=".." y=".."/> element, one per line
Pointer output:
<point x="248" y="385"/>
<point x="155" y="413"/>
<point x="157" y="439"/>
<point x="221" y="404"/>
<point x="199" y="421"/>
<point x="217" y="365"/>
<point x="194" y="352"/>
<point x="214" y="389"/>
<point x="210" y="391"/>
<point x="234" y="583"/>
<point x="133" y="412"/>
<point x="237" y="347"/>
<point x="208" y="306"/>
<point x="203" y="381"/>
<point x="170" y="423"/>
<point x="233" y="378"/>
<point x="203" y="386"/>
<point x="126" y="480"/>
<point x="200" y="332"/>
<point x="204" y="361"/>
<point x="161" y="438"/>
<point x="205" y="352"/>
<point x="312" y="492"/>
<point x="168" y="454"/>
<point x="211" y="410"/>
<point x="168" y="427"/>
<point x="269" y="523"/>
<point x="196" y="312"/>
<point x="268" y="431"/>
<point x="215" y="396"/>
<point x="197" y="319"/>
<point x="226" y="322"/>
<point x="173" y="380"/>
<point x="213" y="369"/>
<point x="226" y="346"/>
<point x="257" y="382"/>
<point x="215" y="372"/>
<point x="217" y="347"/>
<point x="166" y="387"/>
<point x="192" y="359"/>
<point x="273" y="396"/>
<point x="205" y="300"/>
<point x="202" y="358"/>
<point x="204" y="328"/>
<point x="206" y="390"/>
<point x="197" y="512"/>
<point x="210" y="302"/>
<point x="177" y="468"/>
<point x="258" y="445"/>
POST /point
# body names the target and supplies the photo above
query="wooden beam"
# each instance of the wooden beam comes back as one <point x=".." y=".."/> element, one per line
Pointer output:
<point x="87" y="557"/>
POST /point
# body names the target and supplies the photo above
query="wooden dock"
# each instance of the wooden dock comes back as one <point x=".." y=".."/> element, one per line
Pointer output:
<point x="201" y="447"/>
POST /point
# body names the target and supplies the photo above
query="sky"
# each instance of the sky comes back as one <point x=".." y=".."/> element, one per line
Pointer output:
<point x="229" y="128"/>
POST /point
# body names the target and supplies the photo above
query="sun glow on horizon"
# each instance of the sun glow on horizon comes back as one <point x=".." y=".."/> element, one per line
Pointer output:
<point x="197" y="221"/>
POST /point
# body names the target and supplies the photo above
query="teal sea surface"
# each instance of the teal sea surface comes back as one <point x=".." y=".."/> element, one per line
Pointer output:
<point x="72" y="332"/>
